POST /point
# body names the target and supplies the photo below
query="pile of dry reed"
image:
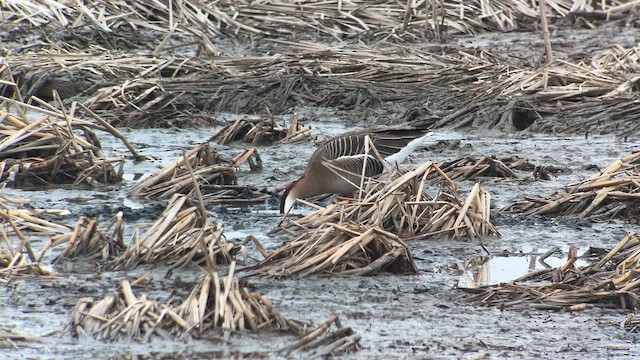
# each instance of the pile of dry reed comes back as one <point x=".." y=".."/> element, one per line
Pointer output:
<point x="90" y="240"/>
<point x="612" y="280"/>
<point x="325" y="342"/>
<point x="469" y="167"/>
<point x="215" y="177"/>
<point x="335" y="19"/>
<point x="401" y="205"/>
<point x="597" y="94"/>
<point x="17" y="224"/>
<point x="178" y="237"/>
<point x="214" y="303"/>
<point x="48" y="149"/>
<point x="632" y="323"/>
<point x="11" y="339"/>
<point x="164" y="85"/>
<point x="256" y="131"/>
<point x="565" y="81"/>
<point x="343" y="249"/>
<point x="223" y="303"/>
<point x="159" y="85"/>
<point x="612" y="193"/>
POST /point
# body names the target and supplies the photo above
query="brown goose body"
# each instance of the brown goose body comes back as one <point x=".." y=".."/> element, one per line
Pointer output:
<point x="336" y="166"/>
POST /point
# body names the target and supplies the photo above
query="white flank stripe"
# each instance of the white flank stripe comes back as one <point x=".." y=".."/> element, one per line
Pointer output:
<point x="414" y="145"/>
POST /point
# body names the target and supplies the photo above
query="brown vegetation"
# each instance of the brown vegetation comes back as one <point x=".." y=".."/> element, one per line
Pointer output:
<point x="611" y="281"/>
<point x="612" y="193"/>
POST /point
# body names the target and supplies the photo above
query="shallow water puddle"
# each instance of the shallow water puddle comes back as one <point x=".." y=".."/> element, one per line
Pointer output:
<point x="485" y="270"/>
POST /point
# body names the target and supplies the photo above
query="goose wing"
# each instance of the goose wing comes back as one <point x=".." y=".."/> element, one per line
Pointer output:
<point x="387" y="141"/>
<point x="352" y="166"/>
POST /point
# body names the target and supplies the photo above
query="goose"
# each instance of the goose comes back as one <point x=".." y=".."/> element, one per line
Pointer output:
<point x="337" y="164"/>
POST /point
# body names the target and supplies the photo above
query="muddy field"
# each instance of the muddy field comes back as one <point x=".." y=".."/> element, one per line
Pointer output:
<point x="397" y="316"/>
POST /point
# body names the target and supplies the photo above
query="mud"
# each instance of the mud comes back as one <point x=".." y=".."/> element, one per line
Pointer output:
<point x="397" y="316"/>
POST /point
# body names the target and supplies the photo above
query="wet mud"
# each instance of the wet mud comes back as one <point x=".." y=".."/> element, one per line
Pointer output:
<point x="417" y="316"/>
<point x="397" y="316"/>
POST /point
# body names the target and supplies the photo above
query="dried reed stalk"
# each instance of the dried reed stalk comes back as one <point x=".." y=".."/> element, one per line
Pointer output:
<point x="612" y="280"/>
<point x="214" y="303"/>
<point x="336" y="19"/>
<point x="611" y="193"/>
<point x="176" y="236"/>
<point x="344" y="249"/>
<point x="400" y="204"/>
<point x="89" y="240"/>
<point x="218" y="302"/>
<point x="214" y="175"/>
<point x="11" y="339"/>
<point x="467" y="168"/>
<point x="256" y="131"/>
<point x="326" y="342"/>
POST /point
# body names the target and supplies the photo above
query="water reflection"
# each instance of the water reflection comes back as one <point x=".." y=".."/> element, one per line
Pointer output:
<point x="485" y="270"/>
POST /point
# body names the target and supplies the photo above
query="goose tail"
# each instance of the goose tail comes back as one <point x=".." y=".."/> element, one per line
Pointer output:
<point x="412" y="146"/>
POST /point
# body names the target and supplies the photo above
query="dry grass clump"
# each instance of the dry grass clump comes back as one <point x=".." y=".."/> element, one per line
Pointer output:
<point x="123" y="316"/>
<point x="214" y="174"/>
<point x="612" y="193"/>
<point x="611" y="281"/>
<point x="335" y="19"/>
<point x="46" y="151"/>
<point x="343" y="249"/>
<point x="223" y="303"/>
<point x="326" y="342"/>
<point x="11" y="339"/>
<point x="618" y="58"/>
<point x="17" y="257"/>
<point x="214" y="303"/>
<point x="90" y="240"/>
<point x="632" y="323"/>
<point x="177" y="236"/>
<point x="401" y="204"/>
<point x="256" y="131"/>
<point x="469" y="167"/>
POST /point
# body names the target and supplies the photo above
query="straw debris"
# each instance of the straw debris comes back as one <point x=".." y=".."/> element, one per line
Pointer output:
<point x="216" y="177"/>
<point x="177" y="236"/>
<point x="612" y="193"/>
<point x="90" y="240"/>
<point x="326" y="342"/>
<point x="48" y="149"/>
<point x="18" y="259"/>
<point x="214" y="303"/>
<point x="343" y="249"/>
<point x="468" y="168"/>
<point x="256" y="131"/>
<point x="632" y="323"/>
<point x="611" y="281"/>
<point x="45" y="151"/>
<point x="11" y="339"/>
<point x="401" y="204"/>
